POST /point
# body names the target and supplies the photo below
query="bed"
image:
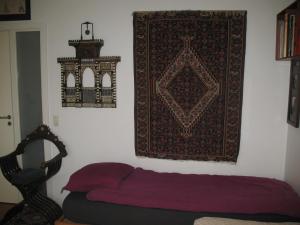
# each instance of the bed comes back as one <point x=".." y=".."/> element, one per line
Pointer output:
<point x="116" y="193"/>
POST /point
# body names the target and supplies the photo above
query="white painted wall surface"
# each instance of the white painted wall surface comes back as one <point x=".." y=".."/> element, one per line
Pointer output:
<point x="292" y="167"/>
<point x="95" y="135"/>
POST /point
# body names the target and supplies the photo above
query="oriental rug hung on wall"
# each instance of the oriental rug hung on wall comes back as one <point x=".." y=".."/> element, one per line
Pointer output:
<point x="189" y="69"/>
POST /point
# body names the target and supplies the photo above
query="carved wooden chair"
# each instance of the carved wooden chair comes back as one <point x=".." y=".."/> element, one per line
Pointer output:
<point x="30" y="181"/>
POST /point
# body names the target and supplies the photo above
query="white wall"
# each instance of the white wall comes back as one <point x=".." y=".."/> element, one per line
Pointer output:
<point x="94" y="135"/>
<point x="292" y="167"/>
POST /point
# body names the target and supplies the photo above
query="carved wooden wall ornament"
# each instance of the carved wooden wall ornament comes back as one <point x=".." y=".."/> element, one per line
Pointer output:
<point x="75" y="91"/>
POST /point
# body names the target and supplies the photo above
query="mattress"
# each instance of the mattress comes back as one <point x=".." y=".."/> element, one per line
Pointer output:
<point x="101" y="194"/>
<point x="202" y="193"/>
<point x="77" y="208"/>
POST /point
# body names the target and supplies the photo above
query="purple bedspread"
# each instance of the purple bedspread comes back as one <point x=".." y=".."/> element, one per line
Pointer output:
<point x="202" y="193"/>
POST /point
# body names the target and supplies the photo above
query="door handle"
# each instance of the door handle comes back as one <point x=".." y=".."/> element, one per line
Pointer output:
<point x="5" y="117"/>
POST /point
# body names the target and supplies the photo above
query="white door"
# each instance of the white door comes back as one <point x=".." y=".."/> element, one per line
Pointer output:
<point x="8" y="193"/>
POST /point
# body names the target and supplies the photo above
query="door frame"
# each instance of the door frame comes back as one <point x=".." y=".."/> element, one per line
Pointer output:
<point x="13" y="29"/>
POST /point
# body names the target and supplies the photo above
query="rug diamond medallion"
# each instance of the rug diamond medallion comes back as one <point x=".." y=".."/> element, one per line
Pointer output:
<point x="186" y="88"/>
<point x="187" y="60"/>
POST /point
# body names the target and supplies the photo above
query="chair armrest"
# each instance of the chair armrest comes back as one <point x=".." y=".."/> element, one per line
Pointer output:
<point x="52" y="161"/>
<point x="52" y="166"/>
<point x="9" y="165"/>
<point x="5" y="158"/>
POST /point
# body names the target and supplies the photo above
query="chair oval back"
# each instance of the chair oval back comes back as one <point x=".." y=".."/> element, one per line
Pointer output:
<point x="42" y="132"/>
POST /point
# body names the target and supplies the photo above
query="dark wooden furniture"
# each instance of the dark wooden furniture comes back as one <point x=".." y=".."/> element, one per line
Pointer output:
<point x="288" y="32"/>
<point x="294" y="94"/>
<point x="29" y="181"/>
<point x="288" y="48"/>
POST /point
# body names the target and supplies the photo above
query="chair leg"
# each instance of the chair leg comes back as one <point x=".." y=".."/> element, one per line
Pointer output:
<point x="39" y="204"/>
<point x="46" y="207"/>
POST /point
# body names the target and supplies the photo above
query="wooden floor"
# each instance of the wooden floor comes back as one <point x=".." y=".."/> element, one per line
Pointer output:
<point x="4" y="207"/>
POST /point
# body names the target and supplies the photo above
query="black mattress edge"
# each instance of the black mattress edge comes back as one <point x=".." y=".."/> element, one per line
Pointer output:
<point x="80" y="210"/>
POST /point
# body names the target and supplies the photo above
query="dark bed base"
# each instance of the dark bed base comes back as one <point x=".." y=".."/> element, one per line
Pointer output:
<point x="78" y="209"/>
